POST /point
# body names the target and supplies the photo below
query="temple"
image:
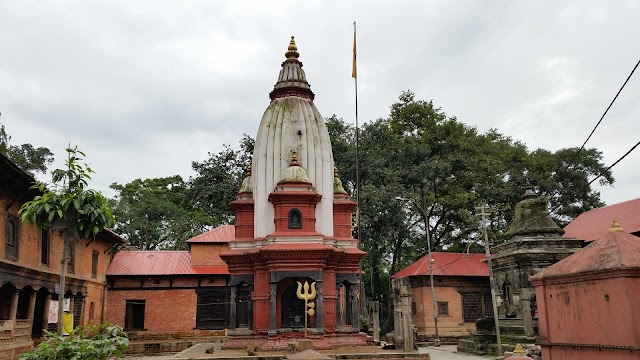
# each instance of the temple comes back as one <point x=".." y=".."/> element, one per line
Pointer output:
<point x="293" y="224"/>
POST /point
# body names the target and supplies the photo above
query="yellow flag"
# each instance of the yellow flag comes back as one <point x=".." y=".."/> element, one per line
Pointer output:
<point x="354" y="70"/>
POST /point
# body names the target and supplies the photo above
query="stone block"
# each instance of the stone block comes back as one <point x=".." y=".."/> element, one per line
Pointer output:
<point x="305" y="344"/>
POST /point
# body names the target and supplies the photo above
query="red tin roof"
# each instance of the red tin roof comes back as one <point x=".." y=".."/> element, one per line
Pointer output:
<point x="159" y="263"/>
<point x="595" y="223"/>
<point x="614" y="251"/>
<point x="447" y="264"/>
<point x="221" y="234"/>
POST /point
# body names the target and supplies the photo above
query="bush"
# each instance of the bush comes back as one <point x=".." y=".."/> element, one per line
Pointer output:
<point x="89" y="342"/>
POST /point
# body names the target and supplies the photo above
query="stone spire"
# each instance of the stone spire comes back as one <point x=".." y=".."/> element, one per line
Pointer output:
<point x="337" y="183"/>
<point x="247" y="186"/>
<point x="292" y="123"/>
<point x="532" y="216"/>
<point x="292" y="80"/>
<point x="294" y="173"/>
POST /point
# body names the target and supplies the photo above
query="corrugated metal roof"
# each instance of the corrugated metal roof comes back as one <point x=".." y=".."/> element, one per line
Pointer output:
<point x="159" y="263"/>
<point x="447" y="264"/>
<point x="613" y="251"/>
<point x="595" y="223"/>
<point x="221" y="234"/>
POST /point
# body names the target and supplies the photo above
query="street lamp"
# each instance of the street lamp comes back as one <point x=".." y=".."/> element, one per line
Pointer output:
<point x="433" y="289"/>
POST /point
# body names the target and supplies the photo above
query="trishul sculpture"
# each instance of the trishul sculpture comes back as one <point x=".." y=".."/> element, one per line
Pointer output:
<point x="306" y="296"/>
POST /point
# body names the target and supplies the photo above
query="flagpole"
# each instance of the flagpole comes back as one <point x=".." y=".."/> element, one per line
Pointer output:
<point x="354" y="74"/>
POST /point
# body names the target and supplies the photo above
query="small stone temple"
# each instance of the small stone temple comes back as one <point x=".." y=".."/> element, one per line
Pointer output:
<point x="534" y="242"/>
<point x="293" y="224"/>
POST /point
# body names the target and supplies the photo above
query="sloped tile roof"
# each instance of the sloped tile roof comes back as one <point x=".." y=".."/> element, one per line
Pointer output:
<point x="613" y="251"/>
<point x="221" y="234"/>
<point x="447" y="264"/>
<point x="595" y="223"/>
<point x="159" y="263"/>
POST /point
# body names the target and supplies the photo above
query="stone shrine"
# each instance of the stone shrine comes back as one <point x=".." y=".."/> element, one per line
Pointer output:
<point x="534" y="242"/>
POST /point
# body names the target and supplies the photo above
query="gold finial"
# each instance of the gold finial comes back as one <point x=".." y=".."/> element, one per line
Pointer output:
<point x="615" y="227"/>
<point x="518" y="349"/>
<point x="294" y="159"/>
<point x="249" y="170"/>
<point x="335" y="172"/>
<point x="293" y="50"/>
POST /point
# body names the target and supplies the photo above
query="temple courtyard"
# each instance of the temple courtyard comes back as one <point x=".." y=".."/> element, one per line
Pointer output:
<point x="444" y="352"/>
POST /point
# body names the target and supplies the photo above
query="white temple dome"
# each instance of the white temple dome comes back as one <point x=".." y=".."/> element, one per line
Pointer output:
<point x="292" y="123"/>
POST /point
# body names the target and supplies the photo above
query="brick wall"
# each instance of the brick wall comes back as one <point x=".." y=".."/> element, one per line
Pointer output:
<point x="165" y="310"/>
<point x="447" y="290"/>
<point x="208" y="253"/>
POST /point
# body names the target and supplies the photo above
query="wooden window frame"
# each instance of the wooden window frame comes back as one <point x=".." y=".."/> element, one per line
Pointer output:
<point x="12" y="249"/>
<point x="444" y="305"/>
<point x="45" y="247"/>
<point x="95" y="256"/>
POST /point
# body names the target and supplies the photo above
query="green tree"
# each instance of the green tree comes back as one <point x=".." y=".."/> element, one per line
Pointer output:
<point x="448" y="167"/>
<point x="218" y="180"/>
<point x="153" y="214"/>
<point x="68" y="206"/>
<point x="27" y="157"/>
<point x="163" y="213"/>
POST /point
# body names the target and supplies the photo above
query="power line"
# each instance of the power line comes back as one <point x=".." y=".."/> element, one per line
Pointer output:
<point x="602" y="117"/>
<point x="615" y="163"/>
<point x="573" y="159"/>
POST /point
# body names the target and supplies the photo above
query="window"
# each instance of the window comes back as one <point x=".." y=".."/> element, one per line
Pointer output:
<point x="295" y="219"/>
<point x="11" y="238"/>
<point x="44" y="246"/>
<point x="92" y="312"/>
<point x="71" y="257"/>
<point x="134" y="315"/>
<point x="475" y="306"/>
<point x="414" y="308"/>
<point x="443" y="309"/>
<point x="94" y="264"/>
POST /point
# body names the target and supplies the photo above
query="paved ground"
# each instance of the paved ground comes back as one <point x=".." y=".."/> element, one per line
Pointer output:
<point x="445" y="352"/>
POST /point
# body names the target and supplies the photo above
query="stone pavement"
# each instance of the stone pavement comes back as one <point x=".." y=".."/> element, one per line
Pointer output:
<point x="448" y="352"/>
<point x="444" y="352"/>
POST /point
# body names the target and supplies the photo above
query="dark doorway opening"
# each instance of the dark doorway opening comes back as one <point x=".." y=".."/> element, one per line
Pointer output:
<point x="243" y="308"/>
<point x="38" y="313"/>
<point x="292" y="308"/>
<point x="134" y="315"/>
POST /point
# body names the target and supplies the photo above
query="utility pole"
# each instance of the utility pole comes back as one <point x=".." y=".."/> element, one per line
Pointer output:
<point x="487" y="249"/>
<point x="425" y="217"/>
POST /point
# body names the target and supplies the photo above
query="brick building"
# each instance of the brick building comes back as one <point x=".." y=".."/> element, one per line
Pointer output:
<point x="30" y="261"/>
<point x="463" y="293"/>
<point x="174" y="293"/>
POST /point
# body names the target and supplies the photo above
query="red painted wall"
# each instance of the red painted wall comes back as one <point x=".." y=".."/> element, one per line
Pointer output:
<point x="604" y="311"/>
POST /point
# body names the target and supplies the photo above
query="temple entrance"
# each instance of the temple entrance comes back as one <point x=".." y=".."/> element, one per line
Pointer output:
<point x="292" y="308"/>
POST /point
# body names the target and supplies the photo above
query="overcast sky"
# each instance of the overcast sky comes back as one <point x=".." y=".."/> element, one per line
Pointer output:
<point x="146" y="87"/>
